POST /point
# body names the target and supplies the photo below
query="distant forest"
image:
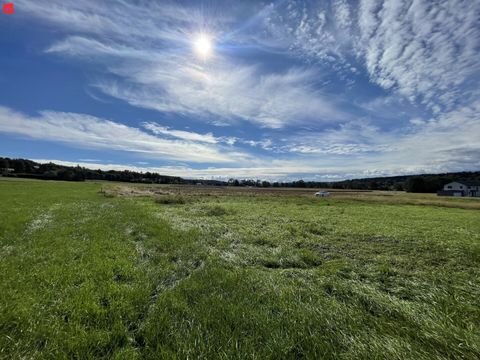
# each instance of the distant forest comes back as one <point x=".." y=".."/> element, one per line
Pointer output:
<point x="429" y="183"/>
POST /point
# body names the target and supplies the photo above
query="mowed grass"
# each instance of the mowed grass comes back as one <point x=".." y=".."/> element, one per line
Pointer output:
<point x="91" y="272"/>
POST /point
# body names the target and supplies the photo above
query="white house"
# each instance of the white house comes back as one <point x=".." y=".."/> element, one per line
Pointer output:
<point x="461" y="188"/>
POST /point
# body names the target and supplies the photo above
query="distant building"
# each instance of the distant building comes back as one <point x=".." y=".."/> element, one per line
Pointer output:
<point x="461" y="188"/>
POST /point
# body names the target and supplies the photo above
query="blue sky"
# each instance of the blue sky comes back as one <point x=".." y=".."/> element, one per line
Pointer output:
<point x="321" y="90"/>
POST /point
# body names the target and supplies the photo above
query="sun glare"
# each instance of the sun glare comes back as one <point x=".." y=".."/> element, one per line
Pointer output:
<point x="203" y="46"/>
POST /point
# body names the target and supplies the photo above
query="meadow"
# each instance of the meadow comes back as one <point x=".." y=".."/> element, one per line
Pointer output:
<point x="107" y="270"/>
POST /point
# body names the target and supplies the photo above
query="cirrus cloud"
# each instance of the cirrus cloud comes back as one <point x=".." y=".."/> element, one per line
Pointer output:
<point x="89" y="132"/>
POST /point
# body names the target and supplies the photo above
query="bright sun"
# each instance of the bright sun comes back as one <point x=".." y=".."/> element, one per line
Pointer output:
<point x="203" y="46"/>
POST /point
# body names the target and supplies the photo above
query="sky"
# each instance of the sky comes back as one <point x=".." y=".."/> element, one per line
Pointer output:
<point x="282" y="90"/>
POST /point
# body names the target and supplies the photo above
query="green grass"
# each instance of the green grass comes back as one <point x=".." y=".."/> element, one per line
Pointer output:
<point x="170" y="199"/>
<point x="88" y="273"/>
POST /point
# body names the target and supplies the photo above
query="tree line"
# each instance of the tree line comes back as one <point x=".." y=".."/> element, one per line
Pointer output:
<point x="425" y="183"/>
<point x="428" y="183"/>
<point x="50" y="171"/>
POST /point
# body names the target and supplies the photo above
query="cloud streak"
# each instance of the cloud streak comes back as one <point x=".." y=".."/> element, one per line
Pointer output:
<point x="446" y="143"/>
<point x="188" y="135"/>
<point x="422" y="49"/>
<point x="174" y="82"/>
<point x="90" y="132"/>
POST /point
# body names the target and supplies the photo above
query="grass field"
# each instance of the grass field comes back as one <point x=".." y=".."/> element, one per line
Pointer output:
<point x="99" y="270"/>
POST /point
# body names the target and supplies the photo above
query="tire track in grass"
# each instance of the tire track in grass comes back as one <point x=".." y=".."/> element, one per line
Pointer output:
<point x="155" y="249"/>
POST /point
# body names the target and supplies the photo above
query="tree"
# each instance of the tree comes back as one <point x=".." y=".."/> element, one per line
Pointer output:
<point x="300" y="183"/>
<point x="19" y="165"/>
<point x="4" y="164"/>
<point x="416" y="185"/>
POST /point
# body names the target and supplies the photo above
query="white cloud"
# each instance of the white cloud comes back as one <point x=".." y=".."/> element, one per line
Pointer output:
<point x="274" y="170"/>
<point x="91" y="132"/>
<point x="419" y="51"/>
<point x="319" y="31"/>
<point x="448" y="142"/>
<point x="90" y="160"/>
<point x="180" y="134"/>
<point x="148" y="49"/>
<point x="123" y="20"/>
<point x="219" y="89"/>
<point x="348" y="140"/>
<point x="417" y="121"/>
<point x="423" y="49"/>
<point x="343" y="13"/>
<point x="425" y="52"/>
<point x="189" y="135"/>
<point x="265" y="144"/>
